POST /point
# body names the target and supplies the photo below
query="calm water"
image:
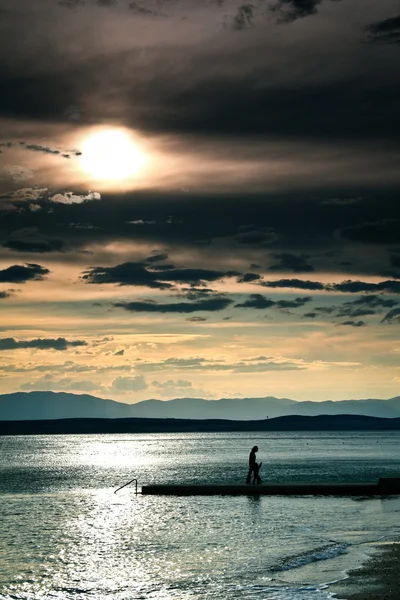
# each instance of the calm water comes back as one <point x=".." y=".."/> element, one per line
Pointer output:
<point x="64" y="534"/>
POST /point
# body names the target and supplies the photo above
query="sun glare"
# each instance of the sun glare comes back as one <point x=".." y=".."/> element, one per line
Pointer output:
<point x="111" y="155"/>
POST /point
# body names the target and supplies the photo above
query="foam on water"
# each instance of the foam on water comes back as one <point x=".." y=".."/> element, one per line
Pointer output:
<point x="323" y="553"/>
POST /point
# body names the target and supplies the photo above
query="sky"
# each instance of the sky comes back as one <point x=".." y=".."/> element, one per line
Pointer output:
<point x="200" y="198"/>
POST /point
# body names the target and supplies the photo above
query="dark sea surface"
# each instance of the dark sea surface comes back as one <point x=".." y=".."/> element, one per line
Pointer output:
<point x="64" y="534"/>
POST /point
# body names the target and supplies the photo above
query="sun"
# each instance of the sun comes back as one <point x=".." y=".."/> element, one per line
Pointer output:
<point x="111" y="155"/>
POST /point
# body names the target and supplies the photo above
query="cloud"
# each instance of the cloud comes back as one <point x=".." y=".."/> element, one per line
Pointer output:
<point x="373" y="300"/>
<point x="243" y="17"/>
<point x="68" y="384"/>
<point x="291" y="10"/>
<point x="386" y="231"/>
<point x="129" y="384"/>
<point x="293" y="303"/>
<point x="291" y="262"/>
<point x="355" y="312"/>
<point x="248" y="278"/>
<point x="71" y="198"/>
<point x="18" y="173"/>
<point x="395" y="260"/>
<point x="137" y="274"/>
<point x="38" y="148"/>
<point x="4" y="294"/>
<point x="35" y="245"/>
<point x="353" y="323"/>
<point x="40" y="344"/>
<point x="144" y="12"/>
<point x="354" y="287"/>
<point x="142" y="222"/>
<point x="25" y="194"/>
<point x="393" y="316"/>
<point x="256" y="301"/>
<point x="294" y="283"/>
<point x="156" y="258"/>
<point x="364" y="306"/>
<point x="386" y="31"/>
<point x="341" y="201"/>
<point x="41" y="149"/>
<point x="179" y="383"/>
<point x="23" y="273"/>
<point x="196" y="319"/>
<point x="259" y="364"/>
<point x="211" y="305"/>
<point x="347" y="286"/>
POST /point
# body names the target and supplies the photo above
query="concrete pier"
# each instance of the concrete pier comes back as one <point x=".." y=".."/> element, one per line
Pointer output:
<point x="389" y="486"/>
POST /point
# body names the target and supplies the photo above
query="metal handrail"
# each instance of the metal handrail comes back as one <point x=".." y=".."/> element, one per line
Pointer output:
<point x="125" y="484"/>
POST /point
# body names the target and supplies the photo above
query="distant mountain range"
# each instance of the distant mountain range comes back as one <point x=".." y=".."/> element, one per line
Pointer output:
<point x="22" y="406"/>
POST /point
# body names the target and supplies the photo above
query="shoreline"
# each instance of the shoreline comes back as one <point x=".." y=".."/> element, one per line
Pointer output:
<point x="377" y="579"/>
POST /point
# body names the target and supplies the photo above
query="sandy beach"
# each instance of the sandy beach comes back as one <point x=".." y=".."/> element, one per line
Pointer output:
<point x="377" y="579"/>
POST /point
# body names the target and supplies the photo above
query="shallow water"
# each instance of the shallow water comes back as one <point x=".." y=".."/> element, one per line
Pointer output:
<point x="66" y="535"/>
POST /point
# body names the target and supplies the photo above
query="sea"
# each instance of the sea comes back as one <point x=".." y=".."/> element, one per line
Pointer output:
<point x="65" y="534"/>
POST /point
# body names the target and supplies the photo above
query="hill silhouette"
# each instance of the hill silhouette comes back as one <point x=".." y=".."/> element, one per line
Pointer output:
<point x="134" y="425"/>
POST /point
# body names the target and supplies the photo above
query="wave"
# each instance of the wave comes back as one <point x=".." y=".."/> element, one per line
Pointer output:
<point x="300" y="560"/>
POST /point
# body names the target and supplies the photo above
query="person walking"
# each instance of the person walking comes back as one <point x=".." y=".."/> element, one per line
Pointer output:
<point x="254" y="467"/>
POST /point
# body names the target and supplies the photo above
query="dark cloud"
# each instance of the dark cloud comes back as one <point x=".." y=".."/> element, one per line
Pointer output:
<point x="211" y="305"/>
<point x="310" y="315"/>
<point x="386" y="31"/>
<point x="351" y="311"/>
<point x="248" y="278"/>
<point x="386" y="231"/>
<point x="40" y="344"/>
<point x="42" y="149"/>
<point x="294" y="283"/>
<point x="289" y="10"/>
<point x="364" y="306"/>
<point x="156" y="258"/>
<point x="23" y="273"/>
<point x="354" y="323"/>
<point x="173" y="100"/>
<point x="373" y="300"/>
<point x="167" y="267"/>
<point x="395" y="260"/>
<point x="256" y="301"/>
<point x="142" y="11"/>
<point x="196" y="319"/>
<point x="206" y="228"/>
<point x="291" y="262"/>
<point x="348" y="286"/>
<point x="243" y="17"/>
<point x="393" y="316"/>
<point x="137" y="274"/>
<point x="4" y="295"/>
<point x="260" y="302"/>
<point x="194" y="293"/>
<point x="38" y="246"/>
<point x="341" y="201"/>
<point x="39" y="148"/>
<point x="324" y="310"/>
<point x="354" y="287"/>
<point x="284" y="304"/>
<point x="71" y="3"/>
